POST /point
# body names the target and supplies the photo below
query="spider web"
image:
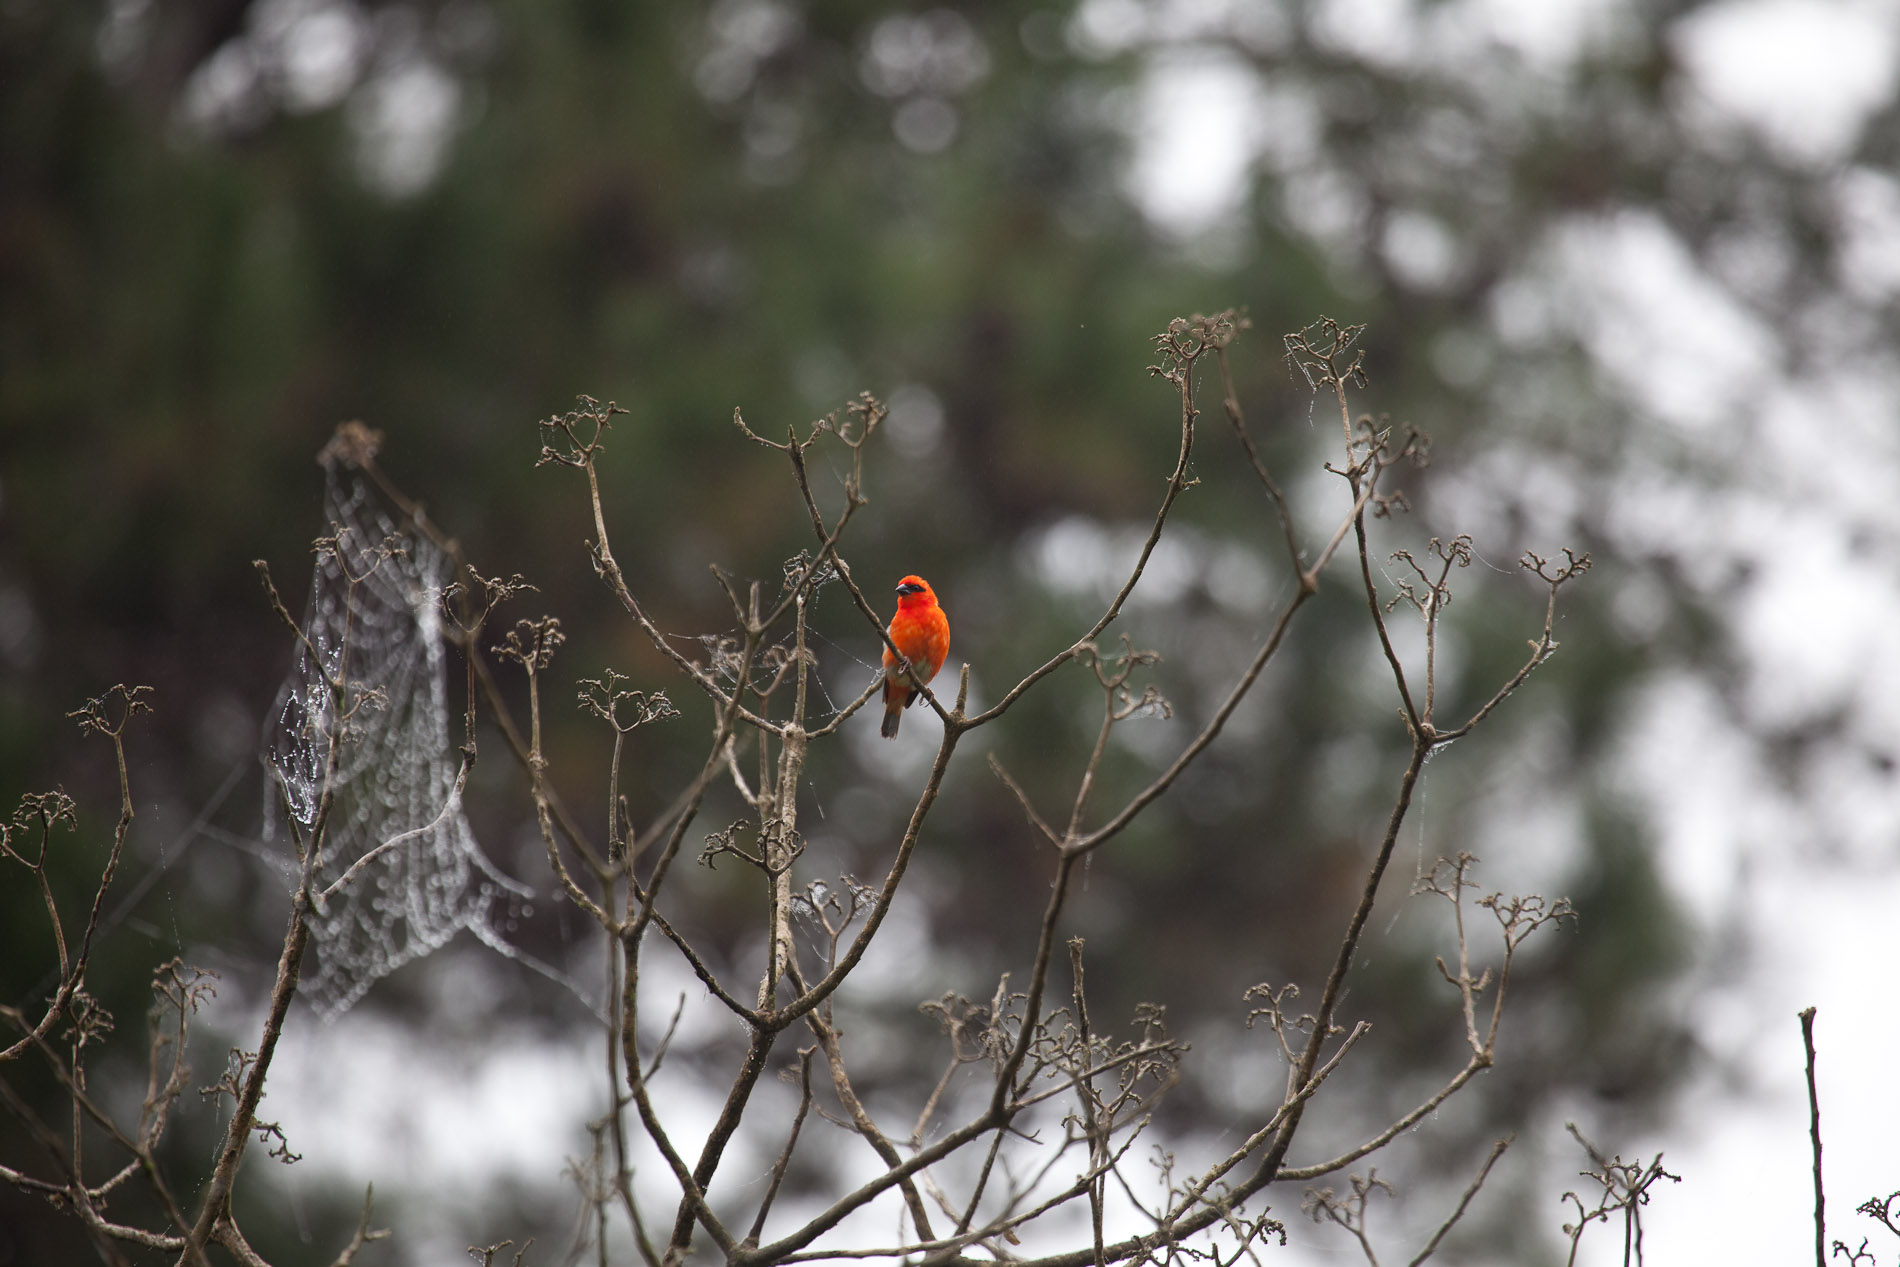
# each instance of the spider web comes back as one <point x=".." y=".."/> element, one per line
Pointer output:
<point x="397" y="770"/>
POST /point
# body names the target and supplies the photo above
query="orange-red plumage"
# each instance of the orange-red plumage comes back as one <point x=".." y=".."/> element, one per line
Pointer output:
<point x="923" y="634"/>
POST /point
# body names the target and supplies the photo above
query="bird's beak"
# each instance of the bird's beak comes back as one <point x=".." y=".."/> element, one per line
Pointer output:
<point x="910" y="589"/>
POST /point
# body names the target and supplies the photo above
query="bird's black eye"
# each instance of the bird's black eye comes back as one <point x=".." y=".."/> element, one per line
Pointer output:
<point x="910" y="589"/>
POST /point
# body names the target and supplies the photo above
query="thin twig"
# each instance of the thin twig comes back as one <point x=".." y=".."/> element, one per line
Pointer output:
<point x="1814" y="1134"/>
<point x="1497" y="1151"/>
<point x="784" y="1161"/>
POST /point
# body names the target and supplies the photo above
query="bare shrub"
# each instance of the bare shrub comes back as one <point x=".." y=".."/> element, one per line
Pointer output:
<point x="1064" y="1115"/>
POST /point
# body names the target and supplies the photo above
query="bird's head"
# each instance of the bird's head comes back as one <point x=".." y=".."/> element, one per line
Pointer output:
<point x="914" y="591"/>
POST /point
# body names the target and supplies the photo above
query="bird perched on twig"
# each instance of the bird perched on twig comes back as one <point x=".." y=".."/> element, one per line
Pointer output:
<point x="922" y="633"/>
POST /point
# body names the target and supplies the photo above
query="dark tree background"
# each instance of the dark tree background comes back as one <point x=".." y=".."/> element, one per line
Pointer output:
<point x="225" y="227"/>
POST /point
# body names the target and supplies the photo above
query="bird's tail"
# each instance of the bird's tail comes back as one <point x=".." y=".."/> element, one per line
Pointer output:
<point x="895" y="698"/>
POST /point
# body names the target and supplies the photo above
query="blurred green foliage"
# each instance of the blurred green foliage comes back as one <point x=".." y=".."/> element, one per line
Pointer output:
<point x="225" y="227"/>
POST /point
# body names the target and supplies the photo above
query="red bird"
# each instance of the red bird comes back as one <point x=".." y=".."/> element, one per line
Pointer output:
<point x="921" y="632"/>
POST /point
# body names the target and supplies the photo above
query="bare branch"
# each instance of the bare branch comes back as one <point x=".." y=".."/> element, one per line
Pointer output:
<point x="1464" y="1202"/>
<point x="785" y="1154"/>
